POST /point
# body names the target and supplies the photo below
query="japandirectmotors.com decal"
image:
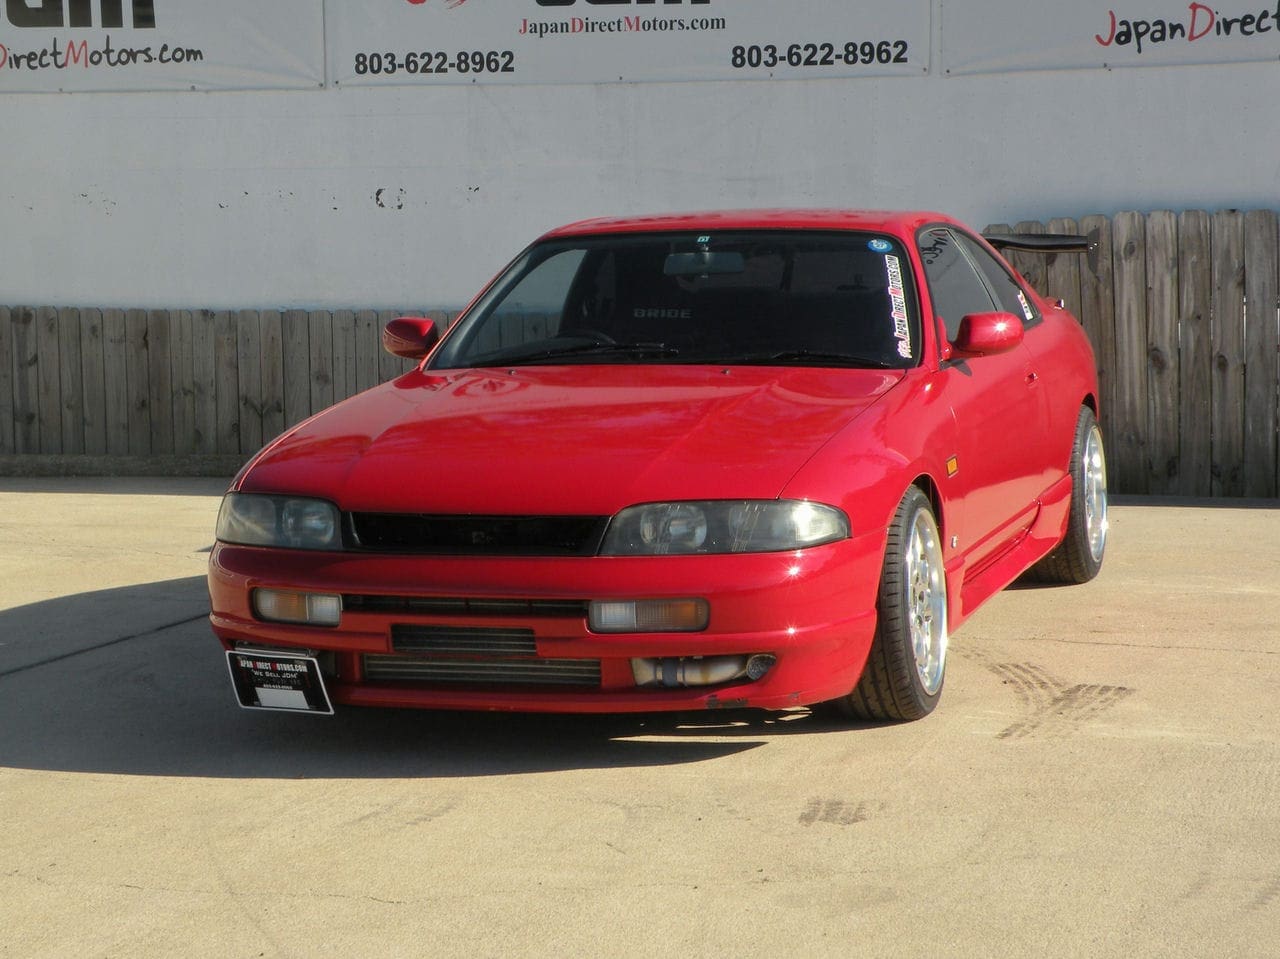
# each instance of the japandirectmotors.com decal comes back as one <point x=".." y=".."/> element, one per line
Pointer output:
<point x="898" y="301"/>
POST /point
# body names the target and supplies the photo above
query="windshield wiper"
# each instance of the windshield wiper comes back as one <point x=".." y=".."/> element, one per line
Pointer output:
<point x="576" y="349"/>
<point x="817" y="357"/>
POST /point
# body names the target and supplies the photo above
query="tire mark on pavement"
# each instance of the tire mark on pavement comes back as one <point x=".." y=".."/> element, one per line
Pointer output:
<point x="1199" y="887"/>
<point x="1053" y="707"/>
<point x="837" y="812"/>
<point x="1268" y="896"/>
<point x="1067" y="711"/>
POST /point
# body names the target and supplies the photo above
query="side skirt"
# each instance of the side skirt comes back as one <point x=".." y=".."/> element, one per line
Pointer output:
<point x="1046" y="531"/>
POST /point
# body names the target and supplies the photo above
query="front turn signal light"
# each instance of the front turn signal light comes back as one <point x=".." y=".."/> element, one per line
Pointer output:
<point x="309" y="609"/>
<point x="648" y="616"/>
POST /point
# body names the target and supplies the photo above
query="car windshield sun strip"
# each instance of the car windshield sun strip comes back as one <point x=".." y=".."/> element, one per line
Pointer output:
<point x="500" y="357"/>
<point x="814" y="356"/>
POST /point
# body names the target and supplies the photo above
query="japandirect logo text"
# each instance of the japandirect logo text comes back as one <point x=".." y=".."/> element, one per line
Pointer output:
<point x="57" y="14"/>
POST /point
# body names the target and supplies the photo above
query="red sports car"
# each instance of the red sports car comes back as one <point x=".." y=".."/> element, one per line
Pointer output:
<point x="738" y="459"/>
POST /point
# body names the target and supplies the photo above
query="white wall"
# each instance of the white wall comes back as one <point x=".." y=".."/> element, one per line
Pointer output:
<point x="270" y="200"/>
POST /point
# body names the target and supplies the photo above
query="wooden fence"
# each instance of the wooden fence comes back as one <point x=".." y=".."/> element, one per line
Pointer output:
<point x="1182" y="312"/>
<point x="1181" y="308"/>
<point x="159" y="383"/>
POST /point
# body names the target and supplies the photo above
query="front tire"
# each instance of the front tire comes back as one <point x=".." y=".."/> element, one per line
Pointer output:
<point x="907" y="663"/>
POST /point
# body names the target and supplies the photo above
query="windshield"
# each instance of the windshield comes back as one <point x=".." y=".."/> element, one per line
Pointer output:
<point x="777" y="298"/>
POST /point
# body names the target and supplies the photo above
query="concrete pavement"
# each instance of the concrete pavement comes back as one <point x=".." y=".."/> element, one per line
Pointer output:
<point x="1100" y="779"/>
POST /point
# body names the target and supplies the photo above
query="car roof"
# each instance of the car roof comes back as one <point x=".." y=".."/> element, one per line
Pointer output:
<point x="900" y="222"/>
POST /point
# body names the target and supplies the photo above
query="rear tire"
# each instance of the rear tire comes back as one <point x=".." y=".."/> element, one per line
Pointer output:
<point x="906" y="666"/>
<point x="1078" y="558"/>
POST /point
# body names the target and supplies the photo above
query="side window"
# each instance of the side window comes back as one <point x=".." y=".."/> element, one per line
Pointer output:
<point x="956" y="290"/>
<point x="1008" y="293"/>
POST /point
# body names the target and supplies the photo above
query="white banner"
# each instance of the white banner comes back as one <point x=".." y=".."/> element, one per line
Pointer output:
<point x="601" y="41"/>
<point x="996" y="36"/>
<point x="98" y="45"/>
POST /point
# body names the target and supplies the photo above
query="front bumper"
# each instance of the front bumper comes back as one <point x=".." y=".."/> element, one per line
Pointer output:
<point x="814" y="610"/>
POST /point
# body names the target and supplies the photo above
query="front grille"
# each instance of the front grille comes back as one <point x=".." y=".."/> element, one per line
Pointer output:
<point x="478" y="535"/>
<point x="489" y="672"/>
<point x="463" y="641"/>
<point x="461" y="606"/>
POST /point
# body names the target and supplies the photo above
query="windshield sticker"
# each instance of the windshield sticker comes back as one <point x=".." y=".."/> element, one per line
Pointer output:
<point x="660" y="313"/>
<point x="1026" y="307"/>
<point x="898" y="297"/>
<point x="880" y="246"/>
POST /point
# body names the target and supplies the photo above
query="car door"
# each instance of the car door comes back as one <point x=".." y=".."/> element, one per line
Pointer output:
<point x="995" y="401"/>
<point x="1044" y="345"/>
<point x="1041" y="341"/>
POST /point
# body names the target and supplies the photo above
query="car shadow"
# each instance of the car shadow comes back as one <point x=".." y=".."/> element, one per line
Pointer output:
<point x="131" y="681"/>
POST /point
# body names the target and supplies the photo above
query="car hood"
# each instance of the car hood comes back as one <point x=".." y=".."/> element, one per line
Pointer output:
<point x="585" y="440"/>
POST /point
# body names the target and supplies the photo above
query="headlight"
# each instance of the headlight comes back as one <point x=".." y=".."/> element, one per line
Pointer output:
<point x="251" y="519"/>
<point x="732" y="526"/>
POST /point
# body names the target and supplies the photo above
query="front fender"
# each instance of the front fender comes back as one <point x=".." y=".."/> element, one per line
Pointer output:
<point x="865" y="469"/>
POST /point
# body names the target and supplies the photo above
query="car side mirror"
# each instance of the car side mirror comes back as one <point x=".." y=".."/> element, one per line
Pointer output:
<point x="410" y="336"/>
<point x="982" y="334"/>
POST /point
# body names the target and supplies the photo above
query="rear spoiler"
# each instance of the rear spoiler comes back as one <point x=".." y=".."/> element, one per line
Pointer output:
<point x="1040" y="242"/>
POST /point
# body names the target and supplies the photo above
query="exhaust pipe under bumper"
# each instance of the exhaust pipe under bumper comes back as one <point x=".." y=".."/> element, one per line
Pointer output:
<point x="700" y="670"/>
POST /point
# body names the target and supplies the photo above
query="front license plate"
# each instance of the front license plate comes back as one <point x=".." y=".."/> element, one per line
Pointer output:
<point x="281" y="681"/>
